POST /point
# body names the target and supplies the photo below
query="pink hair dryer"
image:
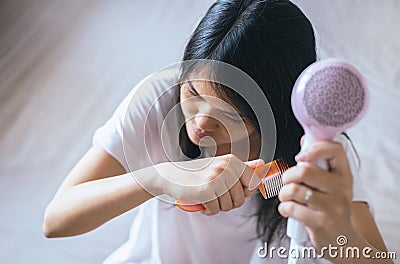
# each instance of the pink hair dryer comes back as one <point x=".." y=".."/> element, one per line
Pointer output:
<point x="329" y="97"/>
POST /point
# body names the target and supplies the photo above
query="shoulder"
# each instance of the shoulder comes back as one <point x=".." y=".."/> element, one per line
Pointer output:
<point x="155" y="91"/>
<point x="145" y="106"/>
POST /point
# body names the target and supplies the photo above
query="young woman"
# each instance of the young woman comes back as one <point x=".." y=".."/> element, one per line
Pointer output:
<point x="272" y="41"/>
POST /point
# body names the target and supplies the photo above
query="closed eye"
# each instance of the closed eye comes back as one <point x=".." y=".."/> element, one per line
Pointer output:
<point x="233" y="117"/>
<point x="192" y="91"/>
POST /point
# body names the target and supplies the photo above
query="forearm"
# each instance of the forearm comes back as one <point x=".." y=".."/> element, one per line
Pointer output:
<point x="87" y="206"/>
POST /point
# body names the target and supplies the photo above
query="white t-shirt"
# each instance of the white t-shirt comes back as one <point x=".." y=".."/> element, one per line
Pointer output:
<point x="161" y="232"/>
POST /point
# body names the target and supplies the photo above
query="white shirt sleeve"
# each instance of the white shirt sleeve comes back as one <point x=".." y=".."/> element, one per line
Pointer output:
<point x="133" y="130"/>
<point x="115" y="133"/>
<point x="109" y="136"/>
<point x="359" y="192"/>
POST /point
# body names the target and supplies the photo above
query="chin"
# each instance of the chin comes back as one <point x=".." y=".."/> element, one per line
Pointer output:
<point x="193" y="139"/>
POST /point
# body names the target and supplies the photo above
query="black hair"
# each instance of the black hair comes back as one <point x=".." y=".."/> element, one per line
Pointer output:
<point x="273" y="42"/>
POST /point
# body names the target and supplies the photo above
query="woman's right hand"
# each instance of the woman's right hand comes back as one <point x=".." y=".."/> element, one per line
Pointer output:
<point x="219" y="183"/>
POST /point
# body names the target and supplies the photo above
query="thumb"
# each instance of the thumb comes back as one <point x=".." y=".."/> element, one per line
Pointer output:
<point x="256" y="177"/>
<point x="254" y="163"/>
<point x="302" y="140"/>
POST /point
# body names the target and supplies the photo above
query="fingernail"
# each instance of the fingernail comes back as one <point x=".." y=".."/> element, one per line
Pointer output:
<point x="301" y="156"/>
<point x="284" y="209"/>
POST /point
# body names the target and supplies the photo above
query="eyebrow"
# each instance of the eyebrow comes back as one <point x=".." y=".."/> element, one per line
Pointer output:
<point x="191" y="87"/>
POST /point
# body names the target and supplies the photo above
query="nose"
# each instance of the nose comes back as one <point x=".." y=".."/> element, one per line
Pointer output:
<point x="206" y="123"/>
<point x="205" y="120"/>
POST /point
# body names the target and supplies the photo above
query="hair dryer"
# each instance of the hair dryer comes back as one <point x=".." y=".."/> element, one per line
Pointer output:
<point x="328" y="97"/>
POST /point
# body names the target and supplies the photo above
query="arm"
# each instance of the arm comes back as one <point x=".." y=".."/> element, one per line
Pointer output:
<point x="366" y="233"/>
<point x="95" y="191"/>
<point x="330" y="211"/>
<point x="98" y="189"/>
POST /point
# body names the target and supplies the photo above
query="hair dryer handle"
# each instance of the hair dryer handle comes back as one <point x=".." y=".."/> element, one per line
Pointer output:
<point x="295" y="229"/>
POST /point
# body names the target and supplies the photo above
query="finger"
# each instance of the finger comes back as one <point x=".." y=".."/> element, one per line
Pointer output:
<point x="298" y="193"/>
<point x="255" y="179"/>
<point x="301" y="140"/>
<point x="212" y="207"/>
<point x="254" y="163"/>
<point x="251" y="178"/>
<point x="222" y="185"/>
<point x="245" y="174"/>
<point x="313" y="177"/>
<point x="248" y="192"/>
<point x="237" y="195"/>
<point x="331" y="151"/>
<point x="225" y="202"/>
<point x="301" y="213"/>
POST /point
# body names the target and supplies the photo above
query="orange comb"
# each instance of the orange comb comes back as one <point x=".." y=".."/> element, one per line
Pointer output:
<point x="269" y="187"/>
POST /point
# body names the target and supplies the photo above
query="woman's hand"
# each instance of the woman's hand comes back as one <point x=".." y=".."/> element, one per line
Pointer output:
<point x="320" y="199"/>
<point x="219" y="183"/>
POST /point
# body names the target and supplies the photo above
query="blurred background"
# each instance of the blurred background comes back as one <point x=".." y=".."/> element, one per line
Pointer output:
<point x="66" y="65"/>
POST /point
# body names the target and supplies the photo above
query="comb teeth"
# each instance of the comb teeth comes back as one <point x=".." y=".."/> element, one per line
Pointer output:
<point x="273" y="183"/>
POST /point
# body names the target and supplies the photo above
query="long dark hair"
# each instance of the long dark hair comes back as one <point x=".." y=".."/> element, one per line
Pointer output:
<point x="273" y="42"/>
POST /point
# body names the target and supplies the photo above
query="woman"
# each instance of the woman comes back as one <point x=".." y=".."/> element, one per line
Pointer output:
<point x="272" y="41"/>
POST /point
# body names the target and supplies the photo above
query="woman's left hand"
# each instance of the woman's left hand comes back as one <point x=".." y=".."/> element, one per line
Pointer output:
<point x="320" y="199"/>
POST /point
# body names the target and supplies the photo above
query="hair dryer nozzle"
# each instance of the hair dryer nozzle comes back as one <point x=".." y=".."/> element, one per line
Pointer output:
<point x="329" y="97"/>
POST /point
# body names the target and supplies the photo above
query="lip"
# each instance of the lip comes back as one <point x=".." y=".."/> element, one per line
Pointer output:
<point x="198" y="132"/>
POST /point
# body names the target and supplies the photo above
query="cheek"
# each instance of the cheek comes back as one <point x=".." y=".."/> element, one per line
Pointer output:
<point x="189" y="129"/>
<point x="238" y="132"/>
<point x="188" y="107"/>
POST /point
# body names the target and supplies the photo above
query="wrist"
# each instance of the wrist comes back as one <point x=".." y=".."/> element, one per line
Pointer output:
<point x="150" y="179"/>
